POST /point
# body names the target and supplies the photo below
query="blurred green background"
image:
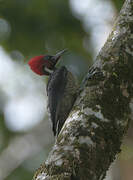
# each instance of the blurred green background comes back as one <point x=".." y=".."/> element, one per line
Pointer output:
<point x="34" y="27"/>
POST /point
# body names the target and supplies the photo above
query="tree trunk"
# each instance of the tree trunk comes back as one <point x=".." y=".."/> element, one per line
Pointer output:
<point x="92" y="135"/>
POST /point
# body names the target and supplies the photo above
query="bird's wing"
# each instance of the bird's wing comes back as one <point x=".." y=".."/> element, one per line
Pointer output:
<point x="55" y="89"/>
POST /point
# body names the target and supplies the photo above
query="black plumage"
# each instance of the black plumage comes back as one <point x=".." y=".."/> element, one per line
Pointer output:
<point x="62" y="92"/>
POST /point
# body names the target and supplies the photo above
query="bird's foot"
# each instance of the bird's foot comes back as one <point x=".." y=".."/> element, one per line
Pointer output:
<point x="95" y="74"/>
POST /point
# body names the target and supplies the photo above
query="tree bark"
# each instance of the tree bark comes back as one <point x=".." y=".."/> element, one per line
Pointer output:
<point x="92" y="135"/>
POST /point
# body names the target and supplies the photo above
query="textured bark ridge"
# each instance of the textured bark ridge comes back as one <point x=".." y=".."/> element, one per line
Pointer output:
<point x="93" y="133"/>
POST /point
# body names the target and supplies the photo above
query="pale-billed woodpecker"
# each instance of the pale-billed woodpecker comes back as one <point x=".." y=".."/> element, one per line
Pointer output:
<point x="61" y="89"/>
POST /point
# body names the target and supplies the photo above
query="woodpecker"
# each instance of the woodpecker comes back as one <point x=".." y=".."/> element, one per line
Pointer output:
<point x="61" y="89"/>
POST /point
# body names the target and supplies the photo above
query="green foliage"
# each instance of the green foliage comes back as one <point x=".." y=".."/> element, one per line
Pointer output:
<point x="37" y="26"/>
<point x="118" y="4"/>
<point x="21" y="174"/>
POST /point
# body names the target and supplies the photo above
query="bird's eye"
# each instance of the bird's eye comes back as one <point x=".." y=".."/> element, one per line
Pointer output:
<point x="47" y="57"/>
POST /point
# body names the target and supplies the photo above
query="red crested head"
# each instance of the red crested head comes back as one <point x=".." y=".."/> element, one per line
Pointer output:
<point x="44" y="64"/>
<point x="38" y="64"/>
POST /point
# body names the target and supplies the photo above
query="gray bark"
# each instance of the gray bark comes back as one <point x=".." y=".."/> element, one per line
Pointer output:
<point x="93" y="133"/>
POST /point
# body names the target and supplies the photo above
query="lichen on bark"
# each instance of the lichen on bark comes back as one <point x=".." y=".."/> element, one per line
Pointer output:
<point x="92" y="135"/>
